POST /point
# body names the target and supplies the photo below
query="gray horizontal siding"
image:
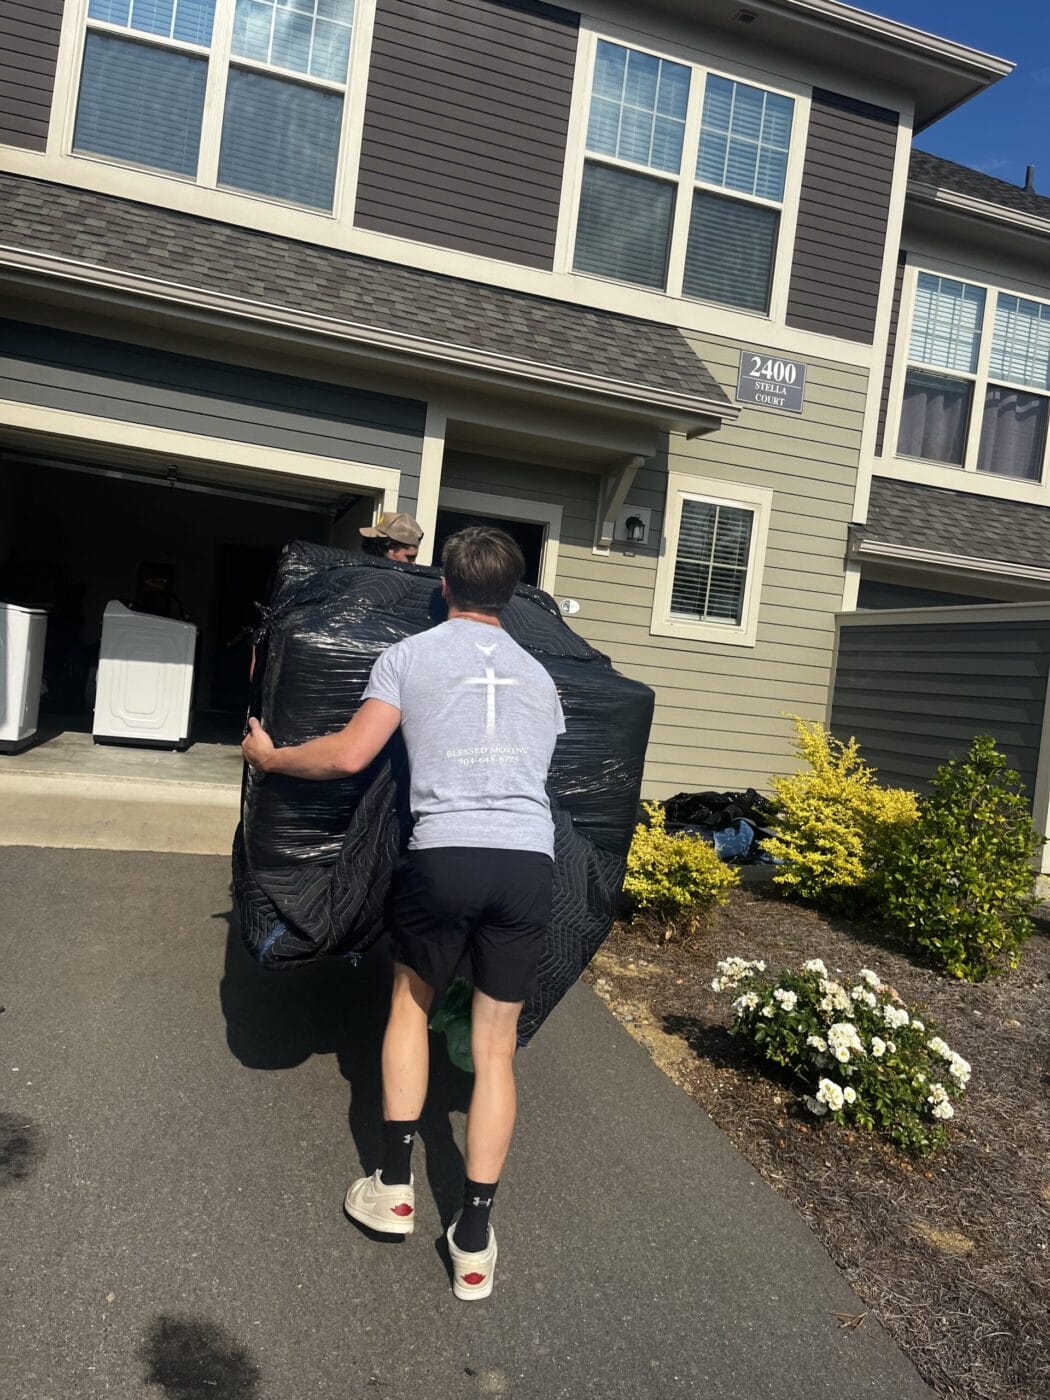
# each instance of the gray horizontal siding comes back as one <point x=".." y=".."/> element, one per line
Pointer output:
<point x="29" y="33"/>
<point x="873" y="593"/>
<point x="916" y="695"/>
<point x="466" y="118"/>
<point x="130" y="383"/>
<point x="891" y="343"/>
<point x="840" y="239"/>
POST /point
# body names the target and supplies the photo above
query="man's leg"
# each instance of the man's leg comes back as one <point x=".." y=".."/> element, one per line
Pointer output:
<point x="406" y="1067"/>
<point x="490" y="1119"/>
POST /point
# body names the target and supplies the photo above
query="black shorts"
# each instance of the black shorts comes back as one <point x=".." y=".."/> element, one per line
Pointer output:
<point x="487" y="909"/>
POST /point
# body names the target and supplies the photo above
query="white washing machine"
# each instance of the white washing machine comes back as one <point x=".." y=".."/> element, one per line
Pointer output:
<point x="144" y="692"/>
<point x="22" y="633"/>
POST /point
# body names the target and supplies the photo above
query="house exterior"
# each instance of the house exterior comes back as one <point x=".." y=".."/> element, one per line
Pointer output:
<point x="664" y="289"/>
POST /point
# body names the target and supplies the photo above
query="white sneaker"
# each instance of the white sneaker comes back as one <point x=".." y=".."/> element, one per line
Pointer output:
<point x="389" y="1209"/>
<point x="472" y="1274"/>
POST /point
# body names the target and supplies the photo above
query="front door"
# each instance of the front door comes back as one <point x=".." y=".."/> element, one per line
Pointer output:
<point x="528" y="533"/>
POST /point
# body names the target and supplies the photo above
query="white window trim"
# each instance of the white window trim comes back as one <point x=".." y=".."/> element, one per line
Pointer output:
<point x="220" y="59"/>
<point x="759" y="499"/>
<point x="685" y="180"/>
<point x="980" y="378"/>
<point x="546" y="513"/>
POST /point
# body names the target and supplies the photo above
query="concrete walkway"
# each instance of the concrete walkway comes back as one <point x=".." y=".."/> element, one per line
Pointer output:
<point x="175" y="1141"/>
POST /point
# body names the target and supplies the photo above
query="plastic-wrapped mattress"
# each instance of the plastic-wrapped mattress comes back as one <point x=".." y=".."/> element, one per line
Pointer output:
<point x="312" y="861"/>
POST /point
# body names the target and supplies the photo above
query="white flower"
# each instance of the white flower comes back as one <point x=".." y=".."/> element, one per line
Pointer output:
<point x="938" y="1094"/>
<point x="745" y="1003"/>
<point x="938" y="1047"/>
<point x="872" y="978"/>
<point x="891" y="1047"/>
<point x="842" y="1055"/>
<point x="817" y="1042"/>
<point x="917" y="1024"/>
<point x="843" y="1036"/>
<point x="878" y="1047"/>
<point x="895" y="1016"/>
<point x="815" y="965"/>
<point x="830" y="1093"/>
<point x="734" y="970"/>
<point x="943" y="1110"/>
<point x="850" y="1095"/>
<point x="866" y="998"/>
<point x="815" y="1106"/>
<point x="835" y="998"/>
<point x="769" y="1010"/>
<point x="959" y="1069"/>
<point x="788" y="1000"/>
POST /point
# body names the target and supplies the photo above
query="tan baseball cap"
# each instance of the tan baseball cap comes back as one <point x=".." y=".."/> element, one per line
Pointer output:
<point x="403" y="528"/>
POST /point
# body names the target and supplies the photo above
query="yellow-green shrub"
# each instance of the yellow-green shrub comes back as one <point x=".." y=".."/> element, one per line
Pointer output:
<point x="834" y="820"/>
<point x="674" y="880"/>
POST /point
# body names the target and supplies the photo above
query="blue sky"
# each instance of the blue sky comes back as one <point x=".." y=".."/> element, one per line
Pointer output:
<point x="1007" y="127"/>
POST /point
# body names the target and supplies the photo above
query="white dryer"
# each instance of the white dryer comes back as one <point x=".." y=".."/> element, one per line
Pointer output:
<point x="144" y="693"/>
<point x="22" y="634"/>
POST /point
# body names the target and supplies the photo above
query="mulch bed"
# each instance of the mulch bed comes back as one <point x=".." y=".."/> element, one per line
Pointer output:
<point x="951" y="1253"/>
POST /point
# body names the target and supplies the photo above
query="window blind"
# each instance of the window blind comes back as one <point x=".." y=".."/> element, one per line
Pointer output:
<point x="280" y="138"/>
<point x="1021" y="341"/>
<point x="710" y="575"/>
<point x="745" y="133"/>
<point x="624" y="225"/>
<point x="946" y="323"/>
<point x="140" y="103"/>
<point x="729" y="255"/>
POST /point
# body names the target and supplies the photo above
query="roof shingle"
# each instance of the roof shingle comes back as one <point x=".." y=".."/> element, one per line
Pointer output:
<point x="958" y="522"/>
<point x="960" y="179"/>
<point x="183" y="250"/>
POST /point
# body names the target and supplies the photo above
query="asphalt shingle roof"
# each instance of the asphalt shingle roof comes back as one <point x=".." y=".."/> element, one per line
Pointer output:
<point x="947" y="175"/>
<point x="181" y="249"/>
<point x="958" y="522"/>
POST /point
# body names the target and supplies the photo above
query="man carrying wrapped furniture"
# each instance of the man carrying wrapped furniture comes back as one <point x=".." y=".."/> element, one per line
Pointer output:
<point x="480" y="719"/>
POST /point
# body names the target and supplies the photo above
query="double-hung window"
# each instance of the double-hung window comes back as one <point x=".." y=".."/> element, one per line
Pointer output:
<point x="242" y="94"/>
<point x="709" y="577"/>
<point x="977" y="382"/>
<point x="684" y="179"/>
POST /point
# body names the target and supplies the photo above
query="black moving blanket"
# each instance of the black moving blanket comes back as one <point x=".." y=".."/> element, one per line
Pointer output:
<point x="312" y="861"/>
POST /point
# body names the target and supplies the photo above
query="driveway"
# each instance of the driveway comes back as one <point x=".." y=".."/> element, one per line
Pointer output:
<point x="177" y="1130"/>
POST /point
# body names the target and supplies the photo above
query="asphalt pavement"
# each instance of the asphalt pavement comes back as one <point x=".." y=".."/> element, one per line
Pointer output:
<point x="177" y="1130"/>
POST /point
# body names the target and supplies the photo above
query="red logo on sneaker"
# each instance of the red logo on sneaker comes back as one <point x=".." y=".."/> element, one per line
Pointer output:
<point x="401" y="1210"/>
<point x="473" y="1278"/>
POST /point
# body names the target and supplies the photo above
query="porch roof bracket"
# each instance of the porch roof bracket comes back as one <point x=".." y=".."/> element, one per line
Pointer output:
<point x="615" y="484"/>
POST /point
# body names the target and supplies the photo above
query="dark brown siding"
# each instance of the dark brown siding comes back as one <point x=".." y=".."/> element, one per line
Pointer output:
<point x="895" y="311"/>
<point x="841" y="236"/>
<point x="465" y="125"/>
<point x="29" y="31"/>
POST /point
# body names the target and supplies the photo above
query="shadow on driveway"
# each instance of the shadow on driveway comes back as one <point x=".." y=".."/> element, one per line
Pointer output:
<point x="277" y="1020"/>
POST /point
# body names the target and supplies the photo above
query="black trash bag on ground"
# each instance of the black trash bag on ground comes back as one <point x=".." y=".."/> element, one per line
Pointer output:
<point x="312" y="861"/>
<point x="716" y="810"/>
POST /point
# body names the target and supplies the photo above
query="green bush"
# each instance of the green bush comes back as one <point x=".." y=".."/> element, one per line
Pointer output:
<point x="674" y="881"/>
<point x="960" y="881"/>
<point x="860" y="1056"/>
<point x="833" y="821"/>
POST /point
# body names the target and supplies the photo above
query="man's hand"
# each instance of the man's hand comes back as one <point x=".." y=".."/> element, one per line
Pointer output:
<point x="258" y="747"/>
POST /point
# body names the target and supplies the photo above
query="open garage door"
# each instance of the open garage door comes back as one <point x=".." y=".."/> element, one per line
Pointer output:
<point x="196" y="542"/>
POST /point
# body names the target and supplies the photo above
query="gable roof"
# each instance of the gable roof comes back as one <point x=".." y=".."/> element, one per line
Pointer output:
<point x="960" y="524"/>
<point x="947" y="175"/>
<point x="60" y="231"/>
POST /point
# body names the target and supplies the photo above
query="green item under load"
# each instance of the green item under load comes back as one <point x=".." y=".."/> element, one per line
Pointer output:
<point x="452" y="1019"/>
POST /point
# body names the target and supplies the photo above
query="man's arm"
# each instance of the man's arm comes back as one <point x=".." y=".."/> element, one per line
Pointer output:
<point x="335" y="755"/>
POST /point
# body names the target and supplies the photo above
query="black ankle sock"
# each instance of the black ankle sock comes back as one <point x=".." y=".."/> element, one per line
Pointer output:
<point x="397" y="1152"/>
<point x="472" y="1229"/>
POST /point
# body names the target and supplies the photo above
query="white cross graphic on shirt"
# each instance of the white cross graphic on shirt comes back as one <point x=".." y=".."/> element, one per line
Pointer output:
<point x="491" y="680"/>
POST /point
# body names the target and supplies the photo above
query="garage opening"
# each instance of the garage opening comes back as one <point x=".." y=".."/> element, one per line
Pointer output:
<point x="194" y="544"/>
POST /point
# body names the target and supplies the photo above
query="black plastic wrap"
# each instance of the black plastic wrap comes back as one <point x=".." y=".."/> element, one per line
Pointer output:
<point x="313" y="860"/>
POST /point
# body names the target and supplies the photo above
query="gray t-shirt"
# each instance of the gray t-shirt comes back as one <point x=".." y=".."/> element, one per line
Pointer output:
<point x="480" y="719"/>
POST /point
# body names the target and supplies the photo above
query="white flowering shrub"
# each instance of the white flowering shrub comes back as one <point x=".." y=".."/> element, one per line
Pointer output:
<point x="859" y="1054"/>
